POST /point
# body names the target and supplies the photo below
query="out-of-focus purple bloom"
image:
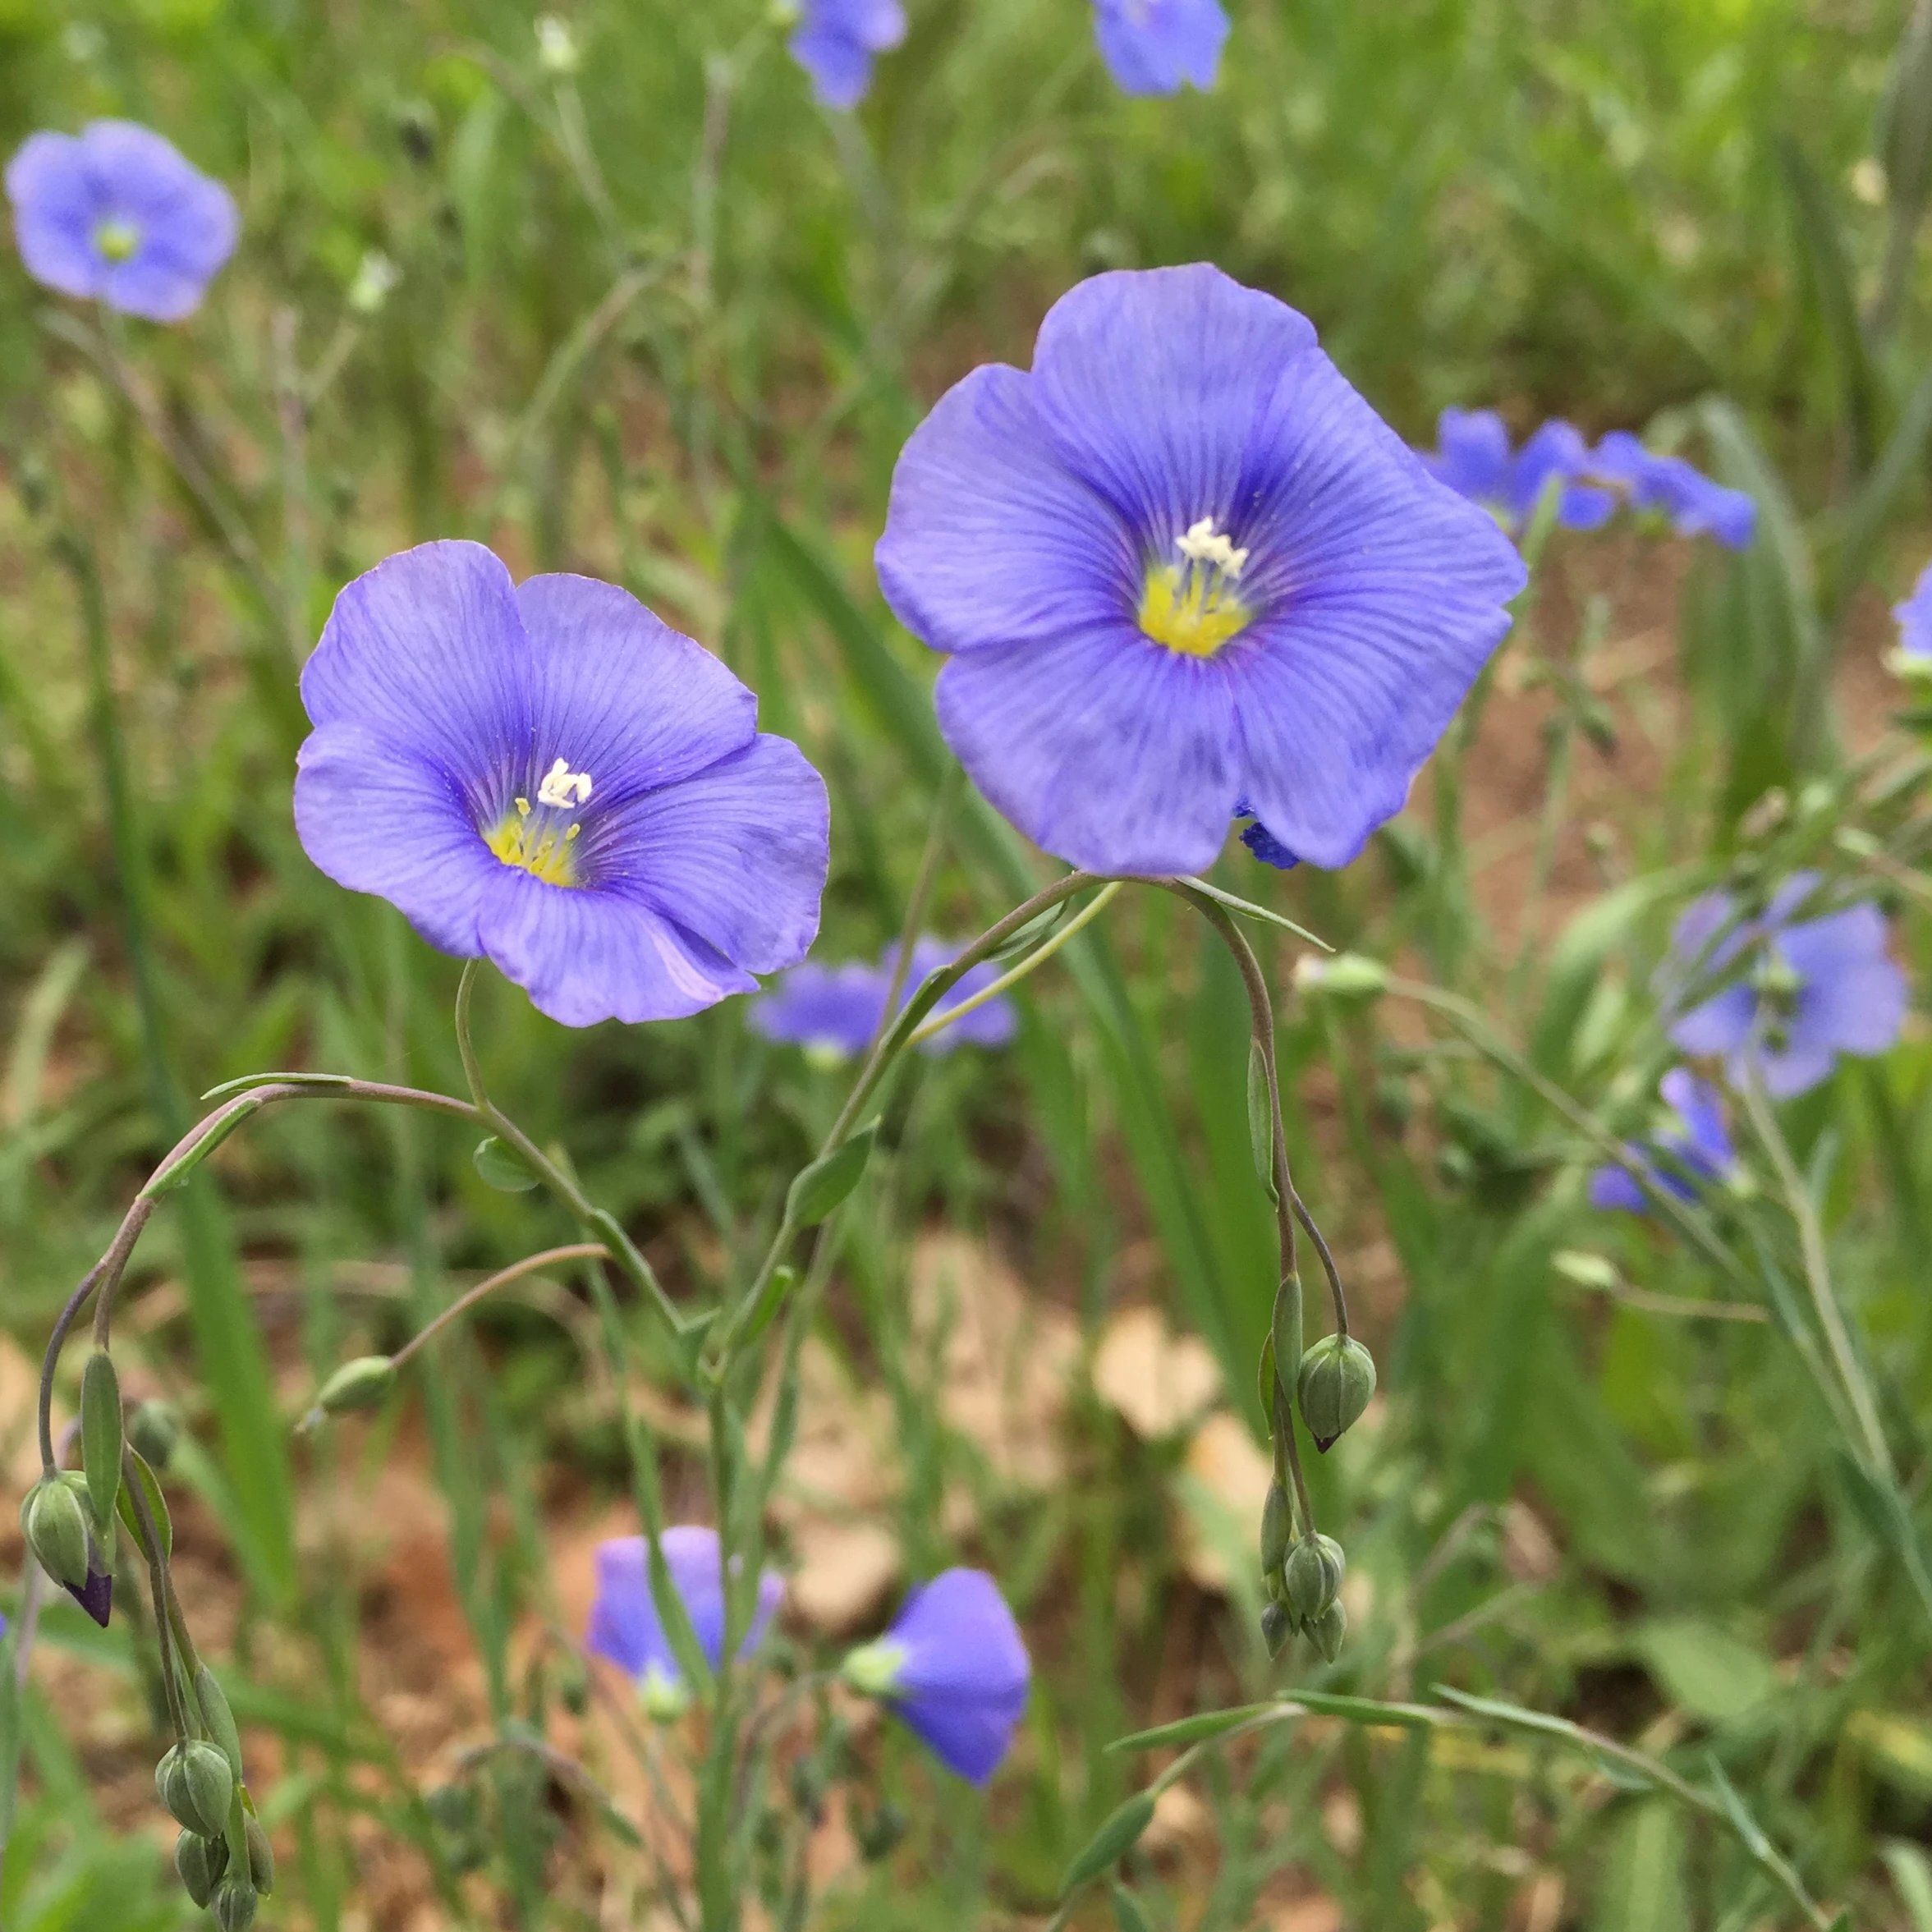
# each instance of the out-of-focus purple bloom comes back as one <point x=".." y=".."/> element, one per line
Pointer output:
<point x="116" y="214"/>
<point x="1160" y="46"/>
<point x="625" y="1627"/>
<point x="954" y="1668"/>
<point x="1695" y="505"/>
<point x="1181" y="565"/>
<point x="835" y="1011"/>
<point x="545" y="776"/>
<point x="835" y="41"/>
<point x="1691" y="1146"/>
<point x="1915" y="618"/>
<point x="1473" y="456"/>
<point x="1808" y="991"/>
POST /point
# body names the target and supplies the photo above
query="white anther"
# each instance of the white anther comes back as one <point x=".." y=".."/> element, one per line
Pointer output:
<point x="1201" y="542"/>
<point x="563" y="787"/>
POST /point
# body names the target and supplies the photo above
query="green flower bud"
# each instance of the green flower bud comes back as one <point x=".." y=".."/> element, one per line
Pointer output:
<point x="1337" y="1378"/>
<point x="200" y="1862"/>
<point x="1313" y="1576"/>
<point x="195" y="1784"/>
<point x="453" y="1806"/>
<point x="665" y="1697"/>
<point x="233" y="1904"/>
<point x="153" y="1428"/>
<point x="1277" y="1626"/>
<point x="54" y="1521"/>
<point x="364" y="1383"/>
<point x="1346" y="976"/>
<point x="261" y="1856"/>
<point x="1326" y="1630"/>
<point x="1277" y="1526"/>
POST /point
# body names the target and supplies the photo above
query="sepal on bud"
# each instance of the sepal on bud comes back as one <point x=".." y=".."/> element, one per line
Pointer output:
<point x="1313" y="1577"/>
<point x="54" y="1521"/>
<point x="1337" y="1377"/>
<point x="234" y="1904"/>
<point x="200" y="1862"/>
<point x="195" y="1785"/>
<point x="154" y="1428"/>
<point x="1277" y="1626"/>
<point x="1326" y="1630"/>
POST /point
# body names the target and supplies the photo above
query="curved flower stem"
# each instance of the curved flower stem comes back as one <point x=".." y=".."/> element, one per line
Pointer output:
<point x="530" y="1264"/>
<point x="195" y="1145"/>
<point x="1811" y="1247"/>
<point x="624" y="1252"/>
<point x="950" y="787"/>
<point x="1012" y="977"/>
<point x="730" y="1341"/>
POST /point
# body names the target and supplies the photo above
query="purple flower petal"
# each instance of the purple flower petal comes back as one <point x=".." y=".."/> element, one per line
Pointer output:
<point x="585" y="956"/>
<point x="625" y="1627"/>
<point x="116" y="213"/>
<point x="1104" y="748"/>
<point x="1809" y="990"/>
<point x="1915" y="617"/>
<point x="991" y="538"/>
<point x="1180" y="565"/>
<point x="1156" y="388"/>
<point x="1157" y="47"/>
<point x="963" y="1673"/>
<point x="835" y="41"/>
<point x="553" y="779"/>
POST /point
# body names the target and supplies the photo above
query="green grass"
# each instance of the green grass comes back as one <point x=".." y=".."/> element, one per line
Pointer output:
<point x="672" y="327"/>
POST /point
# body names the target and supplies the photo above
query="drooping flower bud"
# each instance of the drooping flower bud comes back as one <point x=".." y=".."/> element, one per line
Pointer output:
<point x="1346" y="976"/>
<point x="195" y="1784"/>
<point x="54" y="1521"/>
<point x="1337" y="1377"/>
<point x="1277" y="1626"/>
<point x="1326" y="1630"/>
<point x="200" y="1862"/>
<point x="153" y="1429"/>
<point x="363" y="1384"/>
<point x="234" y="1904"/>
<point x="261" y="1856"/>
<point x="1313" y="1576"/>
<point x="1277" y="1526"/>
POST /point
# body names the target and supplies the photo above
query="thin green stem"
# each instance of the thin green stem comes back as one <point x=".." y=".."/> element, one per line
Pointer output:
<point x="1013" y="976"/>
<point x="1817" y="1271"/>
<point x="515" y="1271"/>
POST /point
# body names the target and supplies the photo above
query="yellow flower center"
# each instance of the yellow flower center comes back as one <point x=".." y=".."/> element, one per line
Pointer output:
<point x="539" y="839"/>
<point x="1193" y="606"/>
<point x="117" y="241"/>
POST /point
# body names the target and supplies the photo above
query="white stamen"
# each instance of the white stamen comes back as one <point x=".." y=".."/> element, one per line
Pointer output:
<point x="1201" y="542"/>
<point x="563" y="787"/>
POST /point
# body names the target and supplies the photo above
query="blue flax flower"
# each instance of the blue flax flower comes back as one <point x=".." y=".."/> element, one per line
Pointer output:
<point x="1473" y="456"/>
<point x="543" y="775"/>
<point x="1692" y="503"/>
<point x="116" y="214"/>
<point x="1160" y="46"/>
<point x="1802" y="991"/>
<point x="835" y="42"/>
<point x="1182" y="566"/>
<point x="833" y="1011"/>
<point x="1915" y="618"/>
<point x="625" y="1627"/>
<point x="1691" y="1146"/>
<point x="954" y="1668"/>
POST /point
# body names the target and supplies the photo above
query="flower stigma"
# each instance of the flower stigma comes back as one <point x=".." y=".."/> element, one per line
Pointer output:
<point x="117" y="241"/>
<point x="1192" y="606"/>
